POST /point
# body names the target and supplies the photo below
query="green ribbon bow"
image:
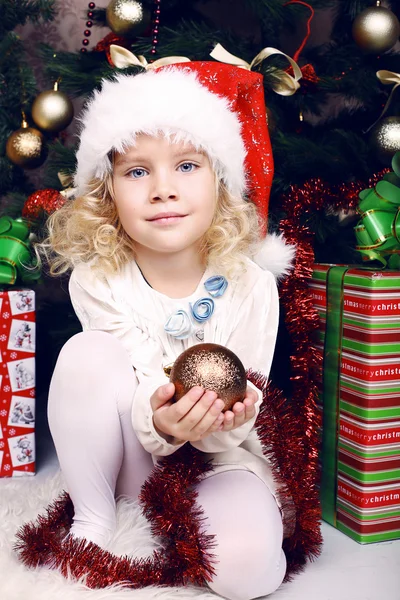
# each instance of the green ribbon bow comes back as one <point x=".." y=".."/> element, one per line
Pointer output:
<point x="378" y="231"/>
<point x="15" y="252"/>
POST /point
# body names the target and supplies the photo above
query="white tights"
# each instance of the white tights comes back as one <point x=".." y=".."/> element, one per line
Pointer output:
<point x="90" y="402"/>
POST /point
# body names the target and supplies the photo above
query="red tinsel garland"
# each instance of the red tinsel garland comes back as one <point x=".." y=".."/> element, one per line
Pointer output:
<point x="302" y="321"/>
<point x="316" y="194"/>
<point x="168" y="500"/>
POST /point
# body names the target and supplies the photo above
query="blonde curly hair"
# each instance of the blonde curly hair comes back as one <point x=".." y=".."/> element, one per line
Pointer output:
<point x="88" y="230"/>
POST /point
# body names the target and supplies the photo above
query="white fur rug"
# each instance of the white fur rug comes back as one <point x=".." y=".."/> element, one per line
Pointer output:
<point x="21" y="500"/>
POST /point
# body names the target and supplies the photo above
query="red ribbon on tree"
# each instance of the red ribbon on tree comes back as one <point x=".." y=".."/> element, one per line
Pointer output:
<point x="310" y="78"/>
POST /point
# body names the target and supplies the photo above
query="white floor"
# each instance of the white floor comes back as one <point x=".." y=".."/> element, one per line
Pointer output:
<point x="345" y="570"/>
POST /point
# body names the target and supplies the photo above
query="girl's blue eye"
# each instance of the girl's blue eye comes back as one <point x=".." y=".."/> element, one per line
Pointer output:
<point x="187" y="167"/>
<point x="137" y="173"/>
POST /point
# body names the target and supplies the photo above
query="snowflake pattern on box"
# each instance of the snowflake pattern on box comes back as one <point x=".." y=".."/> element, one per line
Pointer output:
<point x="17" y="382"/>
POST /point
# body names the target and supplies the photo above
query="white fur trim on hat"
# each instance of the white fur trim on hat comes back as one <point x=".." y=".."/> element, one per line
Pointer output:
<point x="276" y="255"/>
<point x="170" y="102"/>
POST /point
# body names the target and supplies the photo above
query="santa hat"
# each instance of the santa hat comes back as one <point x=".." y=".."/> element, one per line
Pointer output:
<point x="218" y="108"/>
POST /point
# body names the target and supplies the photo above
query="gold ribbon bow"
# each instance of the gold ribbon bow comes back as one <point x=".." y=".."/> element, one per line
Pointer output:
<point x="387" y="78"/>
<point x="286" y="85"/>
<point x="123" y="58"/>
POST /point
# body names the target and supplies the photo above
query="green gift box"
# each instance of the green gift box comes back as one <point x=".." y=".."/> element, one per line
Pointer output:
<point x="359" y="336"/>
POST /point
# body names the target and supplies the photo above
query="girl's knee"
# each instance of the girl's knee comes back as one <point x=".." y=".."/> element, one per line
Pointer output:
<point x="91" y="350"/>
<point x="94" y="341"/>
<point x="248" y="548"/>
<point x="93" y="369"/>
<point x="248" y="571"/>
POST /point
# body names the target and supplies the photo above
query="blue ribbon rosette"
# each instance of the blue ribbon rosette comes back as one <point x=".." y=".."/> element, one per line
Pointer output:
<point x="180" y="325"/>
<point x="202" y="309"/>
<point x="216" y="285"/>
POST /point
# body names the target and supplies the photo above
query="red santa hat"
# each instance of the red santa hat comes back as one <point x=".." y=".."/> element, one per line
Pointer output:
<point x="218" y="108"/>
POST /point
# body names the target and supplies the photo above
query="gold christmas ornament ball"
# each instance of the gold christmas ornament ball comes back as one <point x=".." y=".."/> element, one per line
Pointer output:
<point x="26" y="147"/>
<point x="214" y="368"/>
<point x="385" y="139"/>
<point x="52" y="110"/>
<point x="127" y="17"/>
<point x="376" y="29"/>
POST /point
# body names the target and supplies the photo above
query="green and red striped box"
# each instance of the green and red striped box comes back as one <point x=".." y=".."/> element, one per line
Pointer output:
<point x="359" y="335"/>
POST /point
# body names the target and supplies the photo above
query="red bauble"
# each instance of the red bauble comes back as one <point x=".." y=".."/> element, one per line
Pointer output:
<point x="214" y="368"/>
<point x="42" y="201"/>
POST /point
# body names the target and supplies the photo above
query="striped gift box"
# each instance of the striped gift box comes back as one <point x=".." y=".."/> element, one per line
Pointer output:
<point x="363" y="398"/>
<point x="369" y="452"/>
<point x="368" y="513"/>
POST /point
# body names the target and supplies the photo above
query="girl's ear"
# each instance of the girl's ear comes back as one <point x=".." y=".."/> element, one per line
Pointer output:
<point x="276" y="255"/>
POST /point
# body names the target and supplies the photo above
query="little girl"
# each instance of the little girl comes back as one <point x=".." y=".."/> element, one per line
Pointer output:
<point x="161" y="240"/>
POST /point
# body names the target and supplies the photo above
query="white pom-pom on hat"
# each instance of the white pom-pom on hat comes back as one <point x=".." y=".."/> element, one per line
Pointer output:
<point x="276" y="255"/>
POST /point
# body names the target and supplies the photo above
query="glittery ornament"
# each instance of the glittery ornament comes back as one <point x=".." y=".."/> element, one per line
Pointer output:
<point x="213" y="367"/>
<point x="127" y="17"/>
<point x="376" y="29"/>
<point x="26" y="148"/>
<point x="42" y="201"/>
<point x="52" y="110"/>
<point x="385" y="139"/>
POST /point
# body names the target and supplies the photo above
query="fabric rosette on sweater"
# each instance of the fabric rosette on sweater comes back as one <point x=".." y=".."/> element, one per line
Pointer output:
<point x="179" y="325"/>
<point x="202" y="309"/>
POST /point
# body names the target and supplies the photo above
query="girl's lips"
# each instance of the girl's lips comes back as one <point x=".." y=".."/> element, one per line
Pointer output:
<point x="165" y="214"/>
<point x="165" y="220"/>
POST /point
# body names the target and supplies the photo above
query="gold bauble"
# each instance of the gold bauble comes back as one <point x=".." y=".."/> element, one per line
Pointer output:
<point x="26" y="148"/>
<point x="385" y="139"/>
<point x="127" y="17"/>
<point x="213" y="367"/>
<point x="52" y="110"/>
<point x="376" y="29"/>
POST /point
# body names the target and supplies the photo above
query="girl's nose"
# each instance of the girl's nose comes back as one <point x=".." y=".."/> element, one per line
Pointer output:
<point x="163" y="188"/>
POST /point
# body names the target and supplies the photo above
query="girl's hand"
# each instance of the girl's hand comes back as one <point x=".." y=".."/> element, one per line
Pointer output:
<point x="241" y="411"/>
<point x="193" y="417"/>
